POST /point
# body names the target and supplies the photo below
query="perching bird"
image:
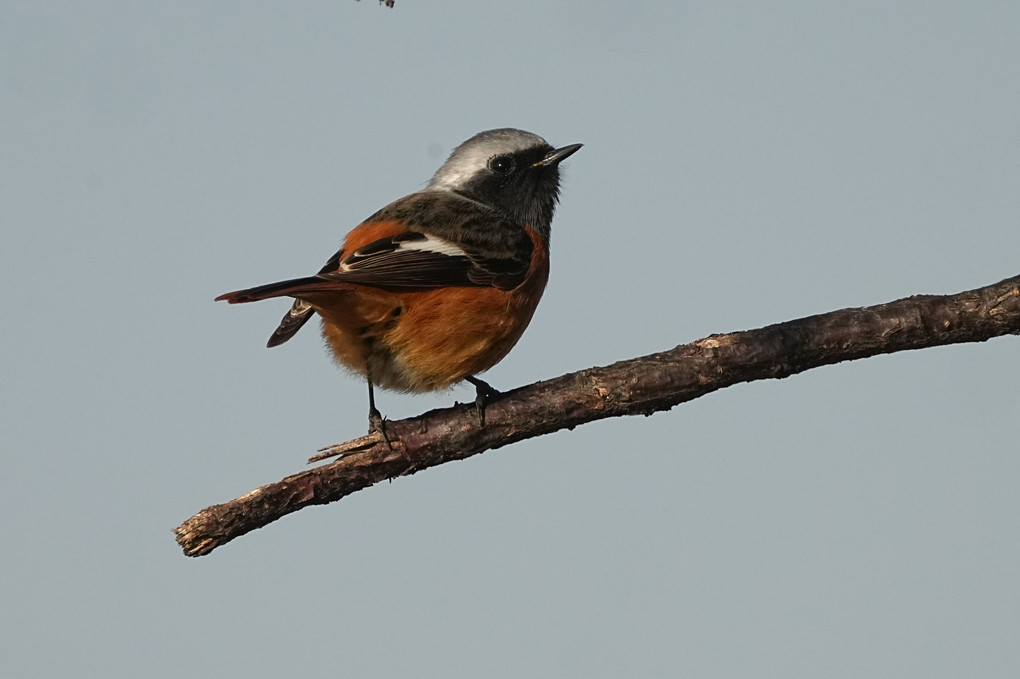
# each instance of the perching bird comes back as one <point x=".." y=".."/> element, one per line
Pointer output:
<point x="439" y="285"/>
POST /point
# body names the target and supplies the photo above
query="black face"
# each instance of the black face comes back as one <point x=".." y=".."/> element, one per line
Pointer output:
<point x="515" y="184"/>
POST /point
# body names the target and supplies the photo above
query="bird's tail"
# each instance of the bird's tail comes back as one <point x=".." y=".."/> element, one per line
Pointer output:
<point x="291" y="322"/>
<point x="295" y="287"/>
<point x="299" y="313"/>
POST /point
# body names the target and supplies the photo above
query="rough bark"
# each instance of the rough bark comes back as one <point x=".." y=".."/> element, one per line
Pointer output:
<point x="638" y="386"/>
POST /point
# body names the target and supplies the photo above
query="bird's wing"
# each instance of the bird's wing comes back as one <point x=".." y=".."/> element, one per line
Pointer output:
<point x="414" y="260"/>
<point x="424" y="241"/>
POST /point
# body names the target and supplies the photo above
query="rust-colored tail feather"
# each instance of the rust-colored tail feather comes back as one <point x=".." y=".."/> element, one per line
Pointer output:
<point x="299" y="313"/>
<point x="292" y="288"/>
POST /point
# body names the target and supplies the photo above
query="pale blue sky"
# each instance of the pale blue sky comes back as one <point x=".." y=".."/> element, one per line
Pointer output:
<point x="744" y="164"/>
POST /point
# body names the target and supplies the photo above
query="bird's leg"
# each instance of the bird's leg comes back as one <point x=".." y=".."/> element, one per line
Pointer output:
<point x="375" y="418"/>
<point x="483" y="394"/>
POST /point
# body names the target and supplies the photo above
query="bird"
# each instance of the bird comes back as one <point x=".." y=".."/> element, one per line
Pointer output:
<point x="438" y="286"/>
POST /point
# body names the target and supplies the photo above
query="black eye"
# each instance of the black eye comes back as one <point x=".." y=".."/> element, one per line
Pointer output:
<point x="503" y="165"/>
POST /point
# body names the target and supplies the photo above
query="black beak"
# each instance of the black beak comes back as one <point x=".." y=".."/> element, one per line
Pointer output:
<point x="556" y="156"/>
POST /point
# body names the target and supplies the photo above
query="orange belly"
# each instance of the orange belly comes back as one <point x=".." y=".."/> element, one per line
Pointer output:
<point x="427" y="341"/>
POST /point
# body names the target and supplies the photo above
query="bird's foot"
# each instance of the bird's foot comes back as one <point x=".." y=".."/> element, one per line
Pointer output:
<point x="484" y="394"/>
<point x="377" y="425"/>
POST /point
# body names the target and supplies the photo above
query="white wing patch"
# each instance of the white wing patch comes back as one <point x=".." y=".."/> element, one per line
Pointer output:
<point x="358" y="259"/>
<point x="432" y="244"/>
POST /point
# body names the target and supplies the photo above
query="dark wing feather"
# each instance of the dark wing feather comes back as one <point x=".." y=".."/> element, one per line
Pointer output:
<point x="498" y="250"/>
<point x="451" y="241"/>
<point x="408" y="261"/>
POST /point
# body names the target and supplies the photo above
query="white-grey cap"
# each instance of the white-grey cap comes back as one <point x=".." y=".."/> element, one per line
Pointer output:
<point x="472" y="156"/>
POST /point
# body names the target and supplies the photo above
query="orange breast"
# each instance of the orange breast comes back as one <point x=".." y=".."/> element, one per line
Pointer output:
<point x="429" y="340"/>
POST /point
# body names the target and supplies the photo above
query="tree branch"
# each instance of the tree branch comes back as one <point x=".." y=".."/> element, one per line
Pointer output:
<point x="639" y="386"/>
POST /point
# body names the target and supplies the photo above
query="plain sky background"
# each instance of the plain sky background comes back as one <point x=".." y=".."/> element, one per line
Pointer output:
<point x="744" y="164"/>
